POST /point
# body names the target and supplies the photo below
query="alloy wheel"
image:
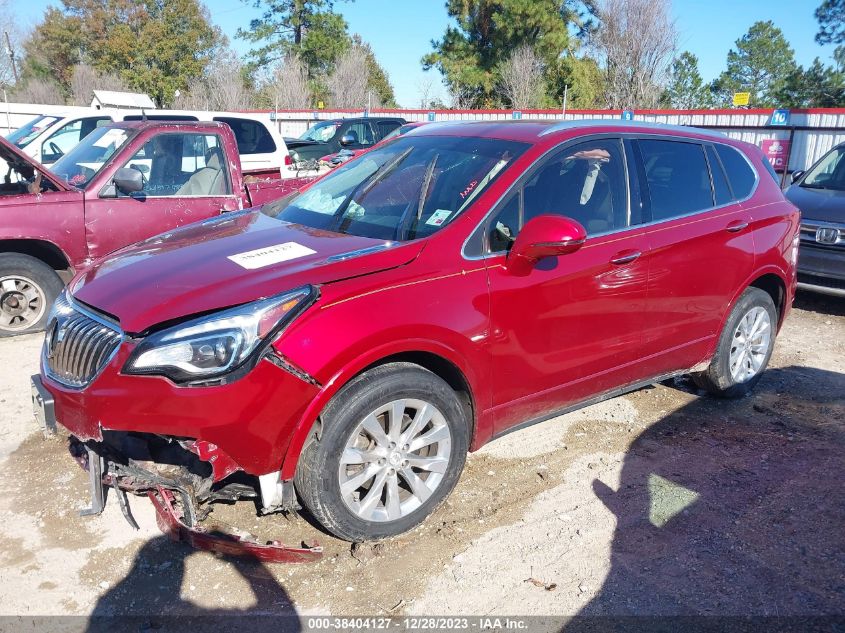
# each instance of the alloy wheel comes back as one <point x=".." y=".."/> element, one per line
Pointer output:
<point x="394" y="459"/>
<point x="750" y="344"/>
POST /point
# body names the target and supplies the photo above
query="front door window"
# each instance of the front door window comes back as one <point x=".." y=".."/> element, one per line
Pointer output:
<point x="182" y="165"/>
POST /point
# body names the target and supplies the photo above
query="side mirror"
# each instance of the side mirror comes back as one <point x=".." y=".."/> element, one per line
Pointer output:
<point x="350" y="138"/>
<point x="544" y="236"/>
<point x="796" y="176"/>
<point x="128" y="180"/>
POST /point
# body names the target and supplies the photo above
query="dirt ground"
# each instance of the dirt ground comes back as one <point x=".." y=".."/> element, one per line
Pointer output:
<point x="662" y="501"/>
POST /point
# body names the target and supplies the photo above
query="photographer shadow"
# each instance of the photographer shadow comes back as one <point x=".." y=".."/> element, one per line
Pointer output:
<point x="151" y="596"/>
<point x="731" y="508"/>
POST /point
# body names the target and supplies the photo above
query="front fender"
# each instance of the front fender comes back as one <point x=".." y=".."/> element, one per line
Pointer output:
<point x="372" y="357"/>
<point x="362" y="321"/>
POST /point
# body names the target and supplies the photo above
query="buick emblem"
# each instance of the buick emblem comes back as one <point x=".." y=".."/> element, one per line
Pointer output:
<point x="827" y="235"/>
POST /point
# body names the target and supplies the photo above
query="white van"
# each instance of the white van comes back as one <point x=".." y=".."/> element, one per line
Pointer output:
<point x="263" y="151"/>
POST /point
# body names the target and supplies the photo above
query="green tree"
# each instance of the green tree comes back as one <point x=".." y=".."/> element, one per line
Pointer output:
<point x="687" y="90"/>
<point x="761" y="64"/>
<point x="379" y="82"/>
<point x="155" y="46"/>
<point x="470" y="52"/>
<point x="818" y="86"/>
<point x="831" y="17"/>
<point x="309" y="29"/>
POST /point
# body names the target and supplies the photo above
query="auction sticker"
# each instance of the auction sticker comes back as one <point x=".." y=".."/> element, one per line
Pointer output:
<point x="438" y="217"/>
<point x="269" y="255"/>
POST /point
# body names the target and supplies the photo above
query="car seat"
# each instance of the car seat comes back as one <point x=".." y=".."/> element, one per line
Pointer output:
<point x="206" y="181"/>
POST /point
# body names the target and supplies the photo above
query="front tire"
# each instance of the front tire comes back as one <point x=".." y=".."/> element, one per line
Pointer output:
<point x="745" y="347"/>
<point x="391" y="446"/>
<point x="28" y="288"/>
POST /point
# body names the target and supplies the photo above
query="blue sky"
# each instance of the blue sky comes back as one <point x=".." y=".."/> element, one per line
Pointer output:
<point x="400" y="31"/>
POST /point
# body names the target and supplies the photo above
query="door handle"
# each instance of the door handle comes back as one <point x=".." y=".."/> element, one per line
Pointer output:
<point x="625" y="257"/>
<point x="736" y="226"/>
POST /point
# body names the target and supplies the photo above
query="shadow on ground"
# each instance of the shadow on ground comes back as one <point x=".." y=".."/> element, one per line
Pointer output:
<point x="151" y="597"/>
<point x="816" y="302"/>
<point x="733" y="508"/>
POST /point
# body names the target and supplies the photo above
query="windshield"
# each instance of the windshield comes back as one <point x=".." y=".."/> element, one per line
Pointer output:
<point x="829" y="173"/>
<point x="407" y="189"/>
<point x="79" y="166"/>
<point x="23" y="135"/>
<point x="321" y="132"/>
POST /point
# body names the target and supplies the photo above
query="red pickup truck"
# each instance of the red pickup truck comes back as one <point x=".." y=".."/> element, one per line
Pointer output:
<point x="121" y="184"/>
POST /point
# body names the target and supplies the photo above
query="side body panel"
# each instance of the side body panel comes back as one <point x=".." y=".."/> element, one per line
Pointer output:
<point x="54" y="216"/>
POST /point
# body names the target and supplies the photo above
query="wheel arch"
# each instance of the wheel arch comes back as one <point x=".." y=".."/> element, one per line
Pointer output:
<point x="771" y="280"/>
<point x="442" y="362"/>
<point x="42" y="250"/>
<point x="775" y="287"/>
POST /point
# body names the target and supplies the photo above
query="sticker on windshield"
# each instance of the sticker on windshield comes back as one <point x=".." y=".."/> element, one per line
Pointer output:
<point x="269" y="255"/>
<point x="439" y="217"/>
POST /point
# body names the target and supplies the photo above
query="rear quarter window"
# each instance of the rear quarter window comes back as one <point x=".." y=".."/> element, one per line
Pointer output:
<point x="740" y="173"/>
<point x="252" y="137"/>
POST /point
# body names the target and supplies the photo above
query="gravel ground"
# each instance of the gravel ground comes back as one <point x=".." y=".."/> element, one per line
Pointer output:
<point x="659" y="502"/>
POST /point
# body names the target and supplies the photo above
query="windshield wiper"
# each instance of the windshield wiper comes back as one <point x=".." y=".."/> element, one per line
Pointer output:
<point x="366" y="185"/>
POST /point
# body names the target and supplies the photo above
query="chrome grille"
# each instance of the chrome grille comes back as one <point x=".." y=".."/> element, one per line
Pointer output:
<point x="78" y="344"/>
<point x="836" y="233"/>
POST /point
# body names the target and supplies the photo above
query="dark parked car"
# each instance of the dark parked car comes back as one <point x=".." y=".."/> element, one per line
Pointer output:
<point x="820" y="194"/>
<point x="329" y="137"/>
<point x="350" y="344"/>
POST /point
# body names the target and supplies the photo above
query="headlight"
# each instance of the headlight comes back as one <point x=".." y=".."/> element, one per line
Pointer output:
<point x="219" y="343"/>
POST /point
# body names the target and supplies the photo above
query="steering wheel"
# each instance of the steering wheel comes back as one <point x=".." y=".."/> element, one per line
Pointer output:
<point x="56" y="150"/>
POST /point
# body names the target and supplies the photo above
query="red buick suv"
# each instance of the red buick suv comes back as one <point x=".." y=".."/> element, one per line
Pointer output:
<point x="346" y="346"/>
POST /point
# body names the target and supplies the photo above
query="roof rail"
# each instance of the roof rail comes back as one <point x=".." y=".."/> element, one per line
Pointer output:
<point x="580" y="123"/>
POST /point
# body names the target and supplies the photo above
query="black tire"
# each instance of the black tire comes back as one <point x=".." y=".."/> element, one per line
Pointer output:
<point x="717" y="378"/>
<point x="317" y="477"/>
<point x="25" y="273"/>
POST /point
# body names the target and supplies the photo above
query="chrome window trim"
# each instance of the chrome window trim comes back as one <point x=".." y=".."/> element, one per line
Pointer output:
<point x="624" y="135"/>
<point x="109" y="323"/>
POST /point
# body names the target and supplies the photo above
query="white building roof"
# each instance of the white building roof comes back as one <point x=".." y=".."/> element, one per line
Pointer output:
<point x="114" y="99"/>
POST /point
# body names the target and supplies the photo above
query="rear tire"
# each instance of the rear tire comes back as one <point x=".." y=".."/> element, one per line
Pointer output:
<point x="28" y="288"/>
<point x="391" y="446"/>
<point x="744" y="349"/>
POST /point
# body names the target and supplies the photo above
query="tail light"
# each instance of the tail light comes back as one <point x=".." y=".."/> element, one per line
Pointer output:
<point x="288" y="160"/>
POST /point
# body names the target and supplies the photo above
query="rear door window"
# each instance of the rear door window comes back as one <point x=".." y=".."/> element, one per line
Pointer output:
<point x="252" y="136"/>
<point x="740" y="173"/>
<point x="677" y="178"/>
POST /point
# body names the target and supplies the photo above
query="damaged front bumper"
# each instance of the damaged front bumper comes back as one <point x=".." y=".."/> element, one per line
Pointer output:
<point x="181" y="477"/>
<point x="180" y="494"/>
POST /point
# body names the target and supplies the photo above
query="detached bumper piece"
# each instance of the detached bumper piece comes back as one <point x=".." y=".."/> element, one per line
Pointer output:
<point x="170" y="522"/>
<point x="175" y="492"/>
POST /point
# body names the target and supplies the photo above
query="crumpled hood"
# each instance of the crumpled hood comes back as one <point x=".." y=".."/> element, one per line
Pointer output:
<point x="821" y="205"/>
<point x="230" y="260"/>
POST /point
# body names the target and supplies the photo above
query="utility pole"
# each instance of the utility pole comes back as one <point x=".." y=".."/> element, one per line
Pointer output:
<point x="565" y="95"/>
<point x="11" y="53"/>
